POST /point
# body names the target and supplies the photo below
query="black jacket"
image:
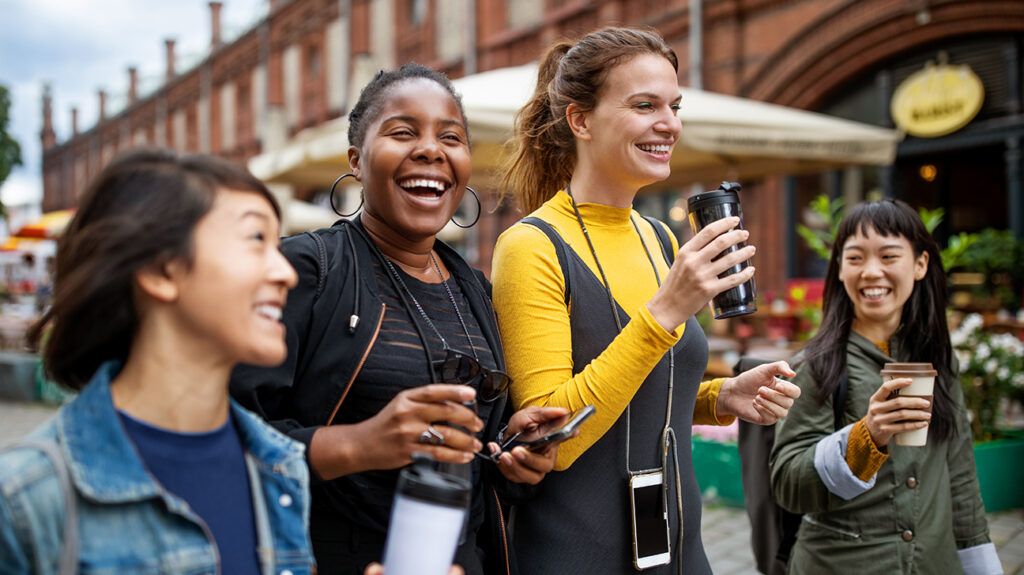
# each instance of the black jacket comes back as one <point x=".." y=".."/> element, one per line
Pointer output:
<point x="332" y="319"/>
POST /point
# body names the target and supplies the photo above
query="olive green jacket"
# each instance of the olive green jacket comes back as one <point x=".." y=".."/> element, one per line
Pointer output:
<point x="923" y="507"/>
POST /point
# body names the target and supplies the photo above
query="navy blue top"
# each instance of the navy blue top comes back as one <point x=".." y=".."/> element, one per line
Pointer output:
<point x="207" y="470"/>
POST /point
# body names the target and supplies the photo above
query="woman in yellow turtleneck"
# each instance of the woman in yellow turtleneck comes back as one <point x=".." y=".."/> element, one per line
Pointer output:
<point x="620" y="334"/>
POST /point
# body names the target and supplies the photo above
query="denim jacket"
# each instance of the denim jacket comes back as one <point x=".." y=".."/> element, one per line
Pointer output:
<point x="127" y="522"/>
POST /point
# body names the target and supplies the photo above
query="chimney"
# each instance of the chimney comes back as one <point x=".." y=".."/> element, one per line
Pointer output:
<point x="169" y="42"/>
<point x="133" y="85"/>
<point x="74" y="122"/>
<point x="47" y="135"/>
<point x="215" y="7"/>
<point x="103" y="103"/>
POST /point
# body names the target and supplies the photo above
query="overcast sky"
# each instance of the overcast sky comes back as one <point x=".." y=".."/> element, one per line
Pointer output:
<point x="78" y="46"/>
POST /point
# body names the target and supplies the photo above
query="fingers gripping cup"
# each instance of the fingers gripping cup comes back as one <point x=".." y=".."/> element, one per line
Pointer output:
<point x="923" y="375"/>
<point x="706" y="208"/>
<point x="426" y="520"/>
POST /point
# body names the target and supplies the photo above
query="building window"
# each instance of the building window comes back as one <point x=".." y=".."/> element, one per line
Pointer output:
<point x="417" y="10"/>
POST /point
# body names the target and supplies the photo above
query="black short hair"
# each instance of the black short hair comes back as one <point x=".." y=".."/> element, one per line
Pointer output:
<point x="374" y="94"/>
<point x="140" y="211"/>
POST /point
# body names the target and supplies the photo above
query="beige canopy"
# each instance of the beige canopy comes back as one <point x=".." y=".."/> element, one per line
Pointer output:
<point x="723" y="137"/>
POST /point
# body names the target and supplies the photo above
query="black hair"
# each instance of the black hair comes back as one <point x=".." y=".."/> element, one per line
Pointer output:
<point x="374" y="95"/>
<point x="923" y="334"/>
<point x="141" y="210"/>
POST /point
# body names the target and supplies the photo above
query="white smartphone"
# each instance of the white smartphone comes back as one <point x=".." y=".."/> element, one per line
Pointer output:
<point x="650" y="520"/>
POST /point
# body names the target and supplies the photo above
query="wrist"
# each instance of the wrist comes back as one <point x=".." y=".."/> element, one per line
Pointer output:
<point x="664" y="314"/>
<point x="877" y="438"/>
<point x="723" y="403"/>
<point x="334" y="452"/>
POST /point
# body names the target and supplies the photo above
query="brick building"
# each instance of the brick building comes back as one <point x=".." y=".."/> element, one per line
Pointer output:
<point x="302" y="65"/>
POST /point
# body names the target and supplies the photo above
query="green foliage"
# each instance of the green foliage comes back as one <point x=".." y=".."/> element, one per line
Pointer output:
<point x="10" y="151"/>
<point x="820" y="240"/>
<point x="931" y="218"/>
<point x="991" y="369"/>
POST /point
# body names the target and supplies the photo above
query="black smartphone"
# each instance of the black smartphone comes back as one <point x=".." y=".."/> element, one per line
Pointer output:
<point x="557" y="436"/>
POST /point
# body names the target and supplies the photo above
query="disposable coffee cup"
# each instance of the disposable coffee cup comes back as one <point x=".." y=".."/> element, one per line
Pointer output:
<point x="923" y="376"/>
<point x="709" y="207"/>
<point x="426" y="520"/>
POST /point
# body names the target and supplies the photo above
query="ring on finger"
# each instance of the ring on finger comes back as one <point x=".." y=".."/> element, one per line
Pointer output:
<point x="431" y="436"/>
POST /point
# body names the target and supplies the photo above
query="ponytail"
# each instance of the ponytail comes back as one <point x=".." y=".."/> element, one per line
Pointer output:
<point x="543" y="146"/>
<point x="544" y="150"/>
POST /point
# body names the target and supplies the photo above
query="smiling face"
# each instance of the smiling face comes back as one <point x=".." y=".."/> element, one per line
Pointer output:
<point x="231" y="296"/>
<point x="879" y="273"/>
<point x="632" y="131"/>
<point x="414" y="163"/>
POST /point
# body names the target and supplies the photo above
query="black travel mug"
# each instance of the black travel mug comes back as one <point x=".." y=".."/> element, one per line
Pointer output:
<point x="427" y="520"/>
<point x="714" y="205"/>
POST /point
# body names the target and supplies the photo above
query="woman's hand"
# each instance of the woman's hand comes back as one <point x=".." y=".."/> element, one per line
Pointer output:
<point x="388" y="439"/>
<point x="758" y="395"/>
<point x="522" y="465"/>
<point x="378" y="569"/>
<point x="693" y="279"/>
<point x="888" y="414"/>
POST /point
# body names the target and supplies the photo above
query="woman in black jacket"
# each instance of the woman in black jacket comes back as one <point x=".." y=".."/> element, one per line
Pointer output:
<point x="383" y="308"/>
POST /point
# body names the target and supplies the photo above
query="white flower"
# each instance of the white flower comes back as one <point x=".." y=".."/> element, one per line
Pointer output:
<point x="963" y="357"/>
<point x="1003" y="373"/>
<point x="958" y="338"/>
<point x="1018" y="380"/>
<point x="991" y="366"/>
<point x="983" y="352"/>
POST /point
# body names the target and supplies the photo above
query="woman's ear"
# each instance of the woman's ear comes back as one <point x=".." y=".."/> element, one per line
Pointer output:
<point x="159" y="281"/>
<point x="353" y="162"/>
<point x="921" y="266"/>
<point x="578" y="121"/>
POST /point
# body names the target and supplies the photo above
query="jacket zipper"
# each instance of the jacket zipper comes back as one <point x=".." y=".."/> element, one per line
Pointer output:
<point x="504" y="536"/>
<point x="359" y="366"/>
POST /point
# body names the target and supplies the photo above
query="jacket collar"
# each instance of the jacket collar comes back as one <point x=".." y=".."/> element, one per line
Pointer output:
<point x="104" y="463"/>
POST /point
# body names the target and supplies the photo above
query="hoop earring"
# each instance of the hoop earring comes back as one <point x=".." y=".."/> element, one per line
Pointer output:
<point x="479" y="210"/>
<point x="335" y="185"/>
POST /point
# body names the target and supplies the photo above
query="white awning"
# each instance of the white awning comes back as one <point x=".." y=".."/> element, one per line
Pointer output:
<point x="723" y="136"/>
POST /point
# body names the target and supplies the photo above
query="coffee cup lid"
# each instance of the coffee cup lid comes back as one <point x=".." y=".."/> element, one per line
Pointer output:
<point x="910" y="369"/>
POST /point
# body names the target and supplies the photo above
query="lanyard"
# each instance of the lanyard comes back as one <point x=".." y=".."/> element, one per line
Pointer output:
<point x="667" y="440"/>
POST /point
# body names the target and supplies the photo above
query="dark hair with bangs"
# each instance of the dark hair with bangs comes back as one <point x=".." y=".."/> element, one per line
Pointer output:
<point x="140" y="211"/>
<point x="374" y="95"/>
<point x="923" y="335"/>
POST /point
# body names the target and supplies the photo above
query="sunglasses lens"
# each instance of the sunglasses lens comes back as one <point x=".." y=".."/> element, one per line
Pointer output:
<point x="493" y="385"/>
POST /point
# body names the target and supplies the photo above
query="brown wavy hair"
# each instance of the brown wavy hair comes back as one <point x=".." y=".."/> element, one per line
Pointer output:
<point x="543" y="146"/>
<point x="140" y="211"/>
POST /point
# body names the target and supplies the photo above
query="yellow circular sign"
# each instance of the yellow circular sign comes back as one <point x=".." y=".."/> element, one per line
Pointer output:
<point x="936" y="101"/>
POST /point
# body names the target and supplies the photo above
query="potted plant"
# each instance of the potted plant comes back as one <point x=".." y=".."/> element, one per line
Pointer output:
<point x="992" y="376"/>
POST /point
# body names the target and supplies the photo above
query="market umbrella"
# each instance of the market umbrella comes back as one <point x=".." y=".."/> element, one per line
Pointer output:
<point x="48" y="226"/>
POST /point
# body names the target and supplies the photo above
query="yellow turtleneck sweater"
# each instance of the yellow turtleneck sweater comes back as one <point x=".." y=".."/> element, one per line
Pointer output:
<point x="529" y="298"/>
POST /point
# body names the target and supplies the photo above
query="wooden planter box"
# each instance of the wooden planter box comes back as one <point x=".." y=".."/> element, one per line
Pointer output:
<point x="1000" y="465"/>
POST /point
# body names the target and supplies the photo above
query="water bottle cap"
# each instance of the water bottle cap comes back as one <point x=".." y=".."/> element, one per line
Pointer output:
<point x="420" y="481"/>
<point x="727" y="193"/>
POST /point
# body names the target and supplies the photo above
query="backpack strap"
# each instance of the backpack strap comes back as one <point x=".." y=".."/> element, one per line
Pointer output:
<point x="560" y="248"/>
<point x="69" y="546"/>
<point x="663" y="239"/>
<point x="321" y="252"/>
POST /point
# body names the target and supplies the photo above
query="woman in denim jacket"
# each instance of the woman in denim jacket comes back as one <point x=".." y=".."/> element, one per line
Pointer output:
<point x="168" y="276"/>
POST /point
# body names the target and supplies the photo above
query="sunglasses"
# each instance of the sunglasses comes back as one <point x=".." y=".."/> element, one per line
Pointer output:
<point x="458" y="367"/>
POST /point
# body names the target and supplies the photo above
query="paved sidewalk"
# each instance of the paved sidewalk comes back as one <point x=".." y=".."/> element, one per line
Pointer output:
<point x="725" y="530"/>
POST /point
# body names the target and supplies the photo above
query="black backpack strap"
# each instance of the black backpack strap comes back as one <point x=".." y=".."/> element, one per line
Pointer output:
<point x="560" y="248"/>
<point x="321" y="251"/>
<point x="839" y="401"/>
<point x="663" y="239"/>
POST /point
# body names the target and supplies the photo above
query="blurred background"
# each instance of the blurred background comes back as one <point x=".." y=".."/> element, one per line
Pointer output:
<point x="812" y="105"/>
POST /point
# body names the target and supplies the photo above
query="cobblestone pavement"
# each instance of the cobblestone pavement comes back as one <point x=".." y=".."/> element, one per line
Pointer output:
<point x="725" y="530"/>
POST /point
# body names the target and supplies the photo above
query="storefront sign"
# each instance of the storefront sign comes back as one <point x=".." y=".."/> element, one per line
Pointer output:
<point x="936" y="101"/>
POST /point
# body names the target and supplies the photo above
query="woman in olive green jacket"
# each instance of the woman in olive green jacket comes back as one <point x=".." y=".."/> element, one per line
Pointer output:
<point x="868" y="503"/>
